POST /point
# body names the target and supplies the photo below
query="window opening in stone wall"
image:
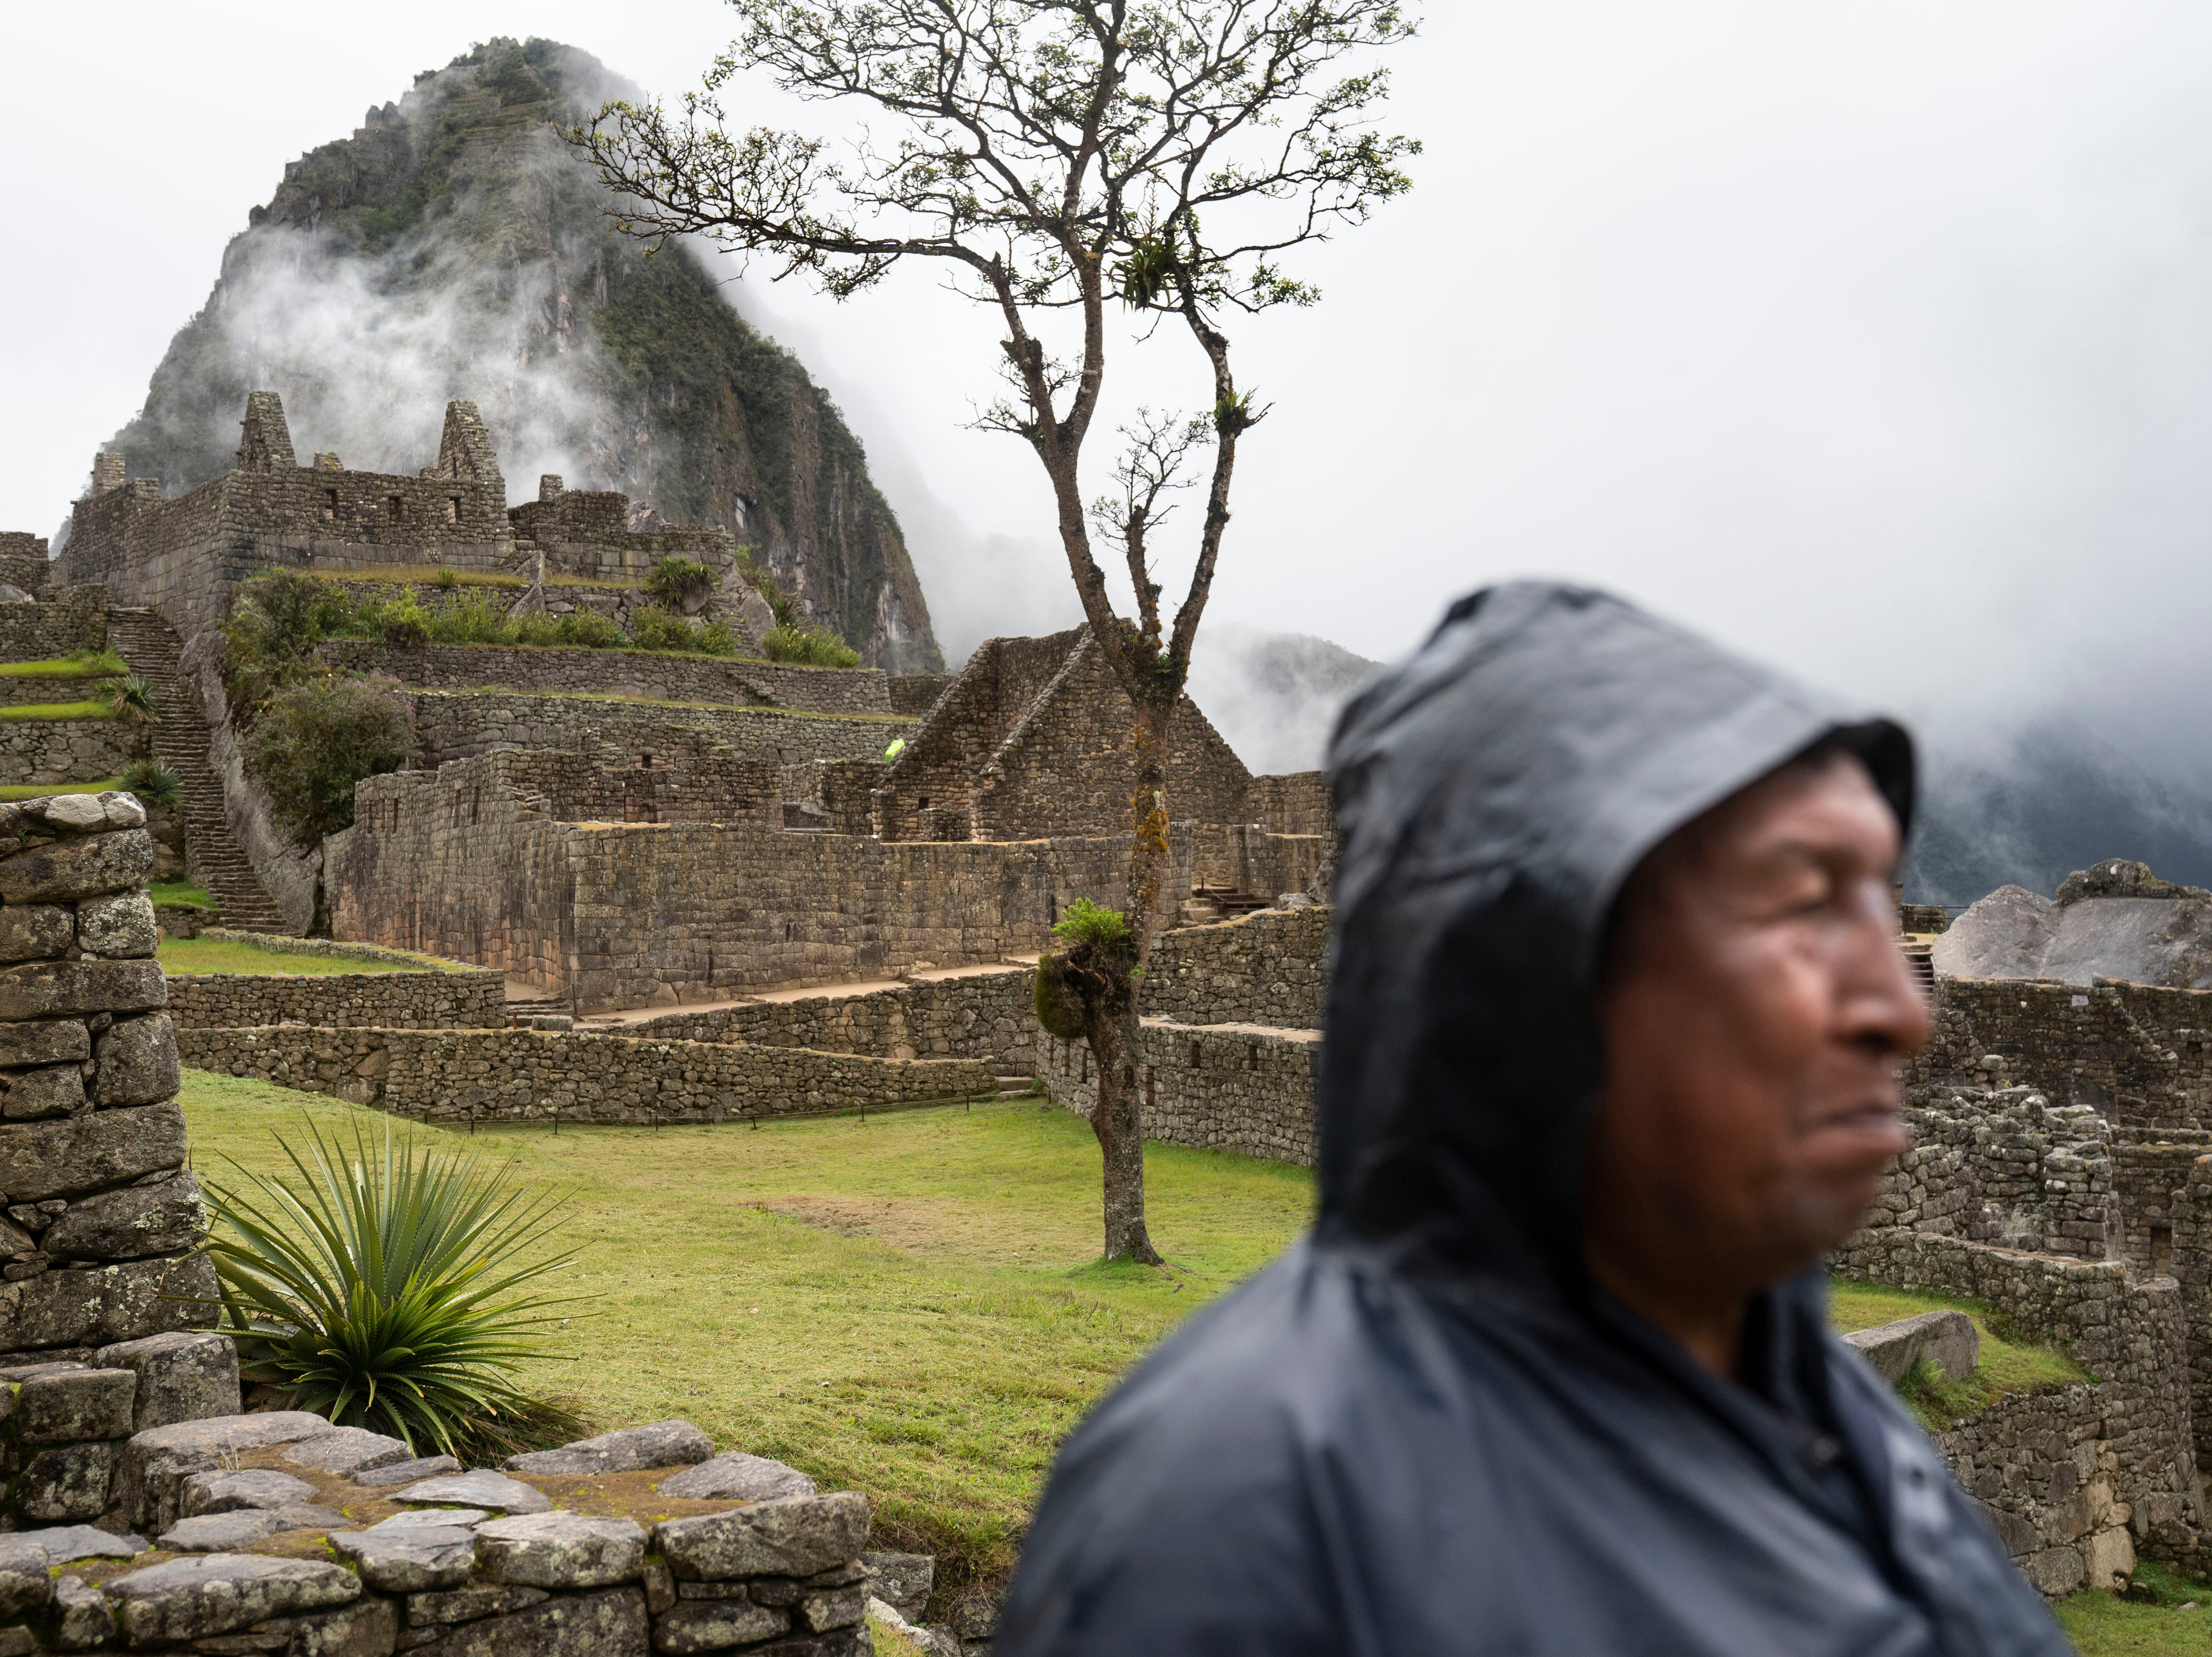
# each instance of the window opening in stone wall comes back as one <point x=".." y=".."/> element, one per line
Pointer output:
<point x="396" y="507"/>
<point x="790" y="930"/>
<point x="1194" y="1055"/>
<point x="2162" y="1251"/>
<point x="922" y="804"/>
<point x="453" y="509"/>
<point x="1151" y="1092"/>
<point x="330" y="506"/>
<point x="1252" y="1056"/>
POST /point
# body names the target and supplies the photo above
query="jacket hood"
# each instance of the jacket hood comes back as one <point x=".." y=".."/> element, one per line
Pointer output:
<point x="1493" y="791"/>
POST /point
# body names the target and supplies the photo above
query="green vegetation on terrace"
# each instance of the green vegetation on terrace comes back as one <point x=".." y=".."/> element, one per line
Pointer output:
<point x="222" y="955"/>
<point x="2007" y="1366"/>
<point x="908" y="1304"/>
<point x="442" y="575"/>
<point x="14" y="791"/>
<point x="2151" y="1623"/>
<point x="182" y="892"/>
<point x="89" y="665"/>
<point x="662" y="701"/>
<point x="23" y="712"/>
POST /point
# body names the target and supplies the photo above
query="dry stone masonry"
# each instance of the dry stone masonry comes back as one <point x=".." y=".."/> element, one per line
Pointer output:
<point x="99" y="1215"/>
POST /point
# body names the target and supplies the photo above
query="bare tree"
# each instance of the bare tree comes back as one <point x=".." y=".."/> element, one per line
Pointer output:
<point x="1060" y="157"/>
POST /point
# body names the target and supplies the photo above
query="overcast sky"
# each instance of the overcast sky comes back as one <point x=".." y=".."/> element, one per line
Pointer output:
<point x="1875" y="338"/>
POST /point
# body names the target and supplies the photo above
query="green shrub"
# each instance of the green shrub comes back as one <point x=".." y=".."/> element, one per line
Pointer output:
<point x="591" y="627"/>
<point x="652" y="628"/>
<point x="808" y="646"/>
<point x="779" y="603"/>
<point x="400" y="621"/>
<point x="393" y="1289"/>
<point x="1086" y="922"/>
<point x="535" y="627"/>
<point x="153" y="782"/>
<point x="474" y="618"/>
<point x="446" y="577"/>
<point x="681" y="584"/>
<point x="133" y="698"/>
<point x="314" y="740"/>
<point x="276" y="622"/>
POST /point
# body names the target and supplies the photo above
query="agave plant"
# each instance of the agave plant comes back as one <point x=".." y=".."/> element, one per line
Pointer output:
<point x="391" y="1288"/>
<point x="152" y="781"/>
<point x="133" y="698"/>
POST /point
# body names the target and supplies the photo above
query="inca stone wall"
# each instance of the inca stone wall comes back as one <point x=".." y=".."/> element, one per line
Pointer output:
<point x="75" y="619"/>
<point x="42" y="752"/>
<point x="461" y="724"/>
<point x="1246" y="1088"/>
<point x="1291" y="803"/>
<point x="424" y="1000"/>
<point x="1268" y="967"/>
<point x="100" y="1214"/>
<point x="464" y="863"/>
<point x="573" y="1076"/>
<point x="23" y="562"/>
<point x="987" y="1015"/>
<point x="657" y="675"/>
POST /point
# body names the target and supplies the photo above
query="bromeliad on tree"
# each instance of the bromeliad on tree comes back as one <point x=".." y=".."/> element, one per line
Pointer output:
<point x="1061" y="157"/>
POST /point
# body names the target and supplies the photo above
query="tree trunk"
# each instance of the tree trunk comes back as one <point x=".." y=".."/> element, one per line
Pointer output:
<point x="1117" y="1120"/>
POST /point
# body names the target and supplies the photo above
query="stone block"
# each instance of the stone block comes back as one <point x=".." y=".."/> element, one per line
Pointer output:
<point x="252" y="1487"/>
<point x="45" y="1042"/>
<point x="423" y="1559"/>
<point x="215" y="1593"/>
<point x="65" y="1543"/>
<point x="227" y="1531"/>
<point x="661" y="1444"/>
<point x="77" y="1403"/>
<point x="346" y="1451"/>
<point x="31" y="1095"/>
<point x="71" y="870"/>
<point x="36" y="931"/>
<point x="738" y="1476"/>
<point x="975" y="1618"/>
<point x="417" y="1519"/>
<point x="118" y="928"/>
<point x="715" y="1625"/>
<point x="182" y="1376"/>
<point x="407" y="1473"/>
<point x="100" y="1304"/>
<point x="792" y="1536"/>
<point x="1947" y="1339"/>
<point x="137" y="1062"/>
<point x="51" y="989"/>
<point x="367" y="1628"/>
<point x="610" y="1623"/>
<point x="477" y="1489"/>
<point x="65" y="1482"/>
<point x="155" y="1463"/>
<point x="466" y="1604"/>
<point x="827" y="1608"/>
<point x="902" y="1580"/>
<point x="133" y="1222"/>
<point x="2108" y="1558"/>
<point x="89" y="1153"/>
<point x="82" y="1618"/>
<point x="25" y="1587"/>
<point x="560" y="1551"/>
<point x="2056" y="1572"/>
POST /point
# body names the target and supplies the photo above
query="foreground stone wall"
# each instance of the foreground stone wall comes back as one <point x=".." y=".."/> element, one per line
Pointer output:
<point x="424" y="1000"/>
<point x="42" y="751"/>
<point x="1241" y="1088"/>
<point x="989" y="1016"/>
<point x="102" y="1217"/>
<point x="1264" y="968"/>
<point x="662" y="675"/>
<point x="461" y="724"/>
<point x="573" y="1076"/>
<point x="464" y="863"/>
<point x="73" y="619"/>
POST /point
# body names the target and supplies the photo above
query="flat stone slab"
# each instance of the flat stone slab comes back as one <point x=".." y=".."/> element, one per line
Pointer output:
<point x="213" y="1593"/>
<point x="424" y="1559"/>
<point x="560" y="1551"/>
<point x="221" y="1532"/>
<point x="632" y="1449"/>
<point x="793" y="1536"/>
<point x="735" y="1476"/>
<point x="155" y="1462"/>
<point x="63" y="1543"/>
<point x="610" y="1623"/>
<point x="1947" y="1340"/>
<point x="415" y="1519"/>
<point x="347" y="1451"/>
<point x="477" y="1489"/>
<point x="405" y="1473"/>
<point x="255" y="1487"/>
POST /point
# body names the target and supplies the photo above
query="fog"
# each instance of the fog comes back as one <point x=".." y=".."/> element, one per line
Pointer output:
<point x="1876" y="340"/>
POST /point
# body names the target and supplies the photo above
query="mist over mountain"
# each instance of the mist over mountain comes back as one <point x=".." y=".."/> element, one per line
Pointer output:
<point x="1273" y="696"/>
<point x="454" y="247"/>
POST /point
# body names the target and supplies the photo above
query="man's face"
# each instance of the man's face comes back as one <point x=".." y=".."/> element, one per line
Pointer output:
<point x="1755" y="1005"/>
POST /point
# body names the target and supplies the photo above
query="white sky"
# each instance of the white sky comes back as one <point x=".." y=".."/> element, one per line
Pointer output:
<point x="1876" y="339"/>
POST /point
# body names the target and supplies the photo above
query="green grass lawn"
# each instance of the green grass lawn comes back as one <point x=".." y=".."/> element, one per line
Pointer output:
<point x="909" y="1305"/>
<point x="14" y="791"/>
<point x="182" y="891"/>
<point x="103" y="665"/>
<point x="2007" y="1366"/>
<point x="215" y="955"/>
<point x="29" y="711"/>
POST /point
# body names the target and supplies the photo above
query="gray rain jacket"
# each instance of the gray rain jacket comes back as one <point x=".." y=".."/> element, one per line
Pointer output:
<point x="1423" y="1431"/>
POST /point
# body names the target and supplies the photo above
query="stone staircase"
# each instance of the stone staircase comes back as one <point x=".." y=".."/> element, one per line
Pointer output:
<point x="181" y="740"/>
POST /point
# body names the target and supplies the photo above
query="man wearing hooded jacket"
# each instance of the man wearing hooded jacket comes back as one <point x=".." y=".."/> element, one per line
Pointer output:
<point x="1613" y="1035"/>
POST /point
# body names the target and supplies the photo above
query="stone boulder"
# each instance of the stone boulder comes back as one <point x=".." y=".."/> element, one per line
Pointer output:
<point x="735" y="1476"/>
<point x="632" y="1449"/>
<point x="1949" y="1340"/>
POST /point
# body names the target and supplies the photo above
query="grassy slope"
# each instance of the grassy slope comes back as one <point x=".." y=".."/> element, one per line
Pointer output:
<point x="214" y="955"/>
<point x="22" y="711"/>
<point x="2007" y="1366"/>
<point x="908" y="1305"/>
